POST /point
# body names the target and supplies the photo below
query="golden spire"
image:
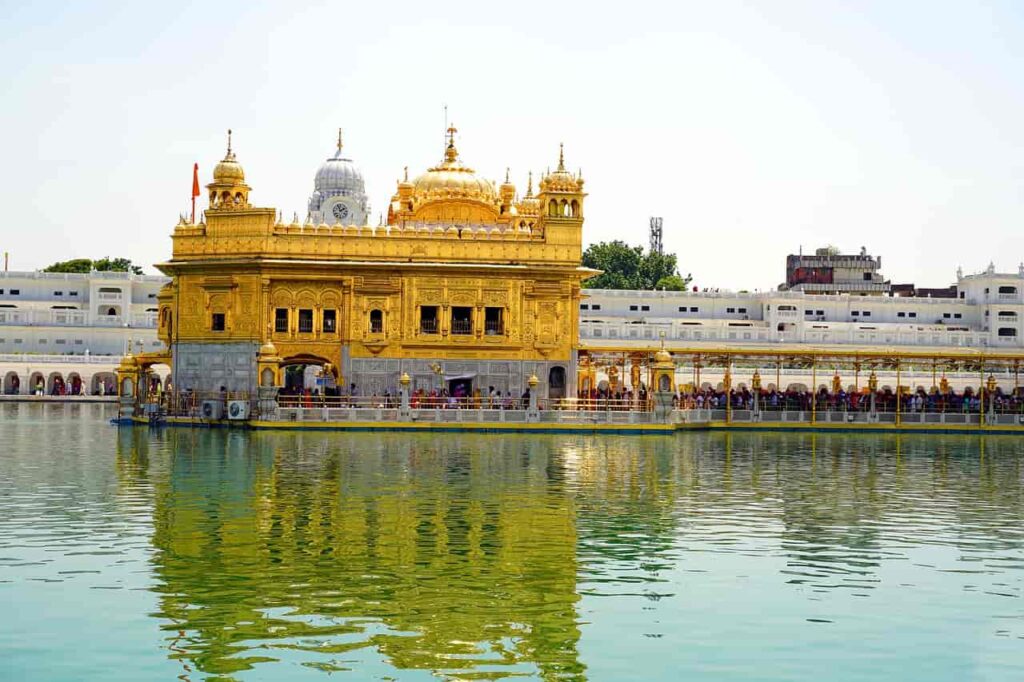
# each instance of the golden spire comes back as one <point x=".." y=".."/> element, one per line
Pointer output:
<point x="506" y="175"/>
<point x="561" y="156"/>
<point x="529" y="184"/>
<point x="230" y="154"/>
<point x="339" y="139"/>
<point x="406" y="177"/>
<point x="451" y="154"/>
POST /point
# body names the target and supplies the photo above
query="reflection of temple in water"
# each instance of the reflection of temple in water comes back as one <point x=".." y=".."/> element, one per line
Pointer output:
<point x="466" y="555"/>
<point x="306" y="547"/>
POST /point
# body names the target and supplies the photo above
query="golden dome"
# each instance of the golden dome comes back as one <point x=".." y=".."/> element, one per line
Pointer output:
<point x="561" y="180"/>
<point x="229" y="171"/>
<point x="436" y="193"/>
<point x="663" y="356"/>
<point x="268" y="350"/>
<point x="452" y="180"/>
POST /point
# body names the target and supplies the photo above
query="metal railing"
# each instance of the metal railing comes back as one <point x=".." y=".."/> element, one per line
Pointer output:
<point x="44" y="358"/>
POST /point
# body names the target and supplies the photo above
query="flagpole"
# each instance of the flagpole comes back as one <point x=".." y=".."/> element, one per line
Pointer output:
<point x="195" y="190"/>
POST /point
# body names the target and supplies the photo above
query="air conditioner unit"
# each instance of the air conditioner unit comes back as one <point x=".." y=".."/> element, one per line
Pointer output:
<point x="238" y="409"/>
<point x="212" y="410"/>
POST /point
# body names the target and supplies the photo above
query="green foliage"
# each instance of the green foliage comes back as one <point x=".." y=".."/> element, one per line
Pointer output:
<point x="628" y="267"/>
<point x="673" y="283"/>
<point x="82" y="265"/>
<point x="105" y="264"/>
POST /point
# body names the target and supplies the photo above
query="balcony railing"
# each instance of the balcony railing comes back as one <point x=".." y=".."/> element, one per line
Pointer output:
<point x="462" y="327"/>
<point x="494" y="328"/>
<point x="73" y="318"/>
<point x="109" y="296"/>
<point x="144" y="320"/>
<point x="428" y="326"/>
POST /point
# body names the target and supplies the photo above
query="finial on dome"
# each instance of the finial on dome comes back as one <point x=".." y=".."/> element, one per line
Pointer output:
<point x="405" y="178"/>
<point x="339" y="139"/>
<point x="529" y="184"/>
<point x="506" y="175"/>
<point x="451" y="154"/>
<point x="229" y="144"/>
<point x="561" y="156"/>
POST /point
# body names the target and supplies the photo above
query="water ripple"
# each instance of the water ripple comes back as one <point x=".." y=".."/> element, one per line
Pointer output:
<point x="233" y="555"/>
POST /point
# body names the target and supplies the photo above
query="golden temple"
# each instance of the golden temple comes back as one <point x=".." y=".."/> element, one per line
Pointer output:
<point x="465" y="284"/>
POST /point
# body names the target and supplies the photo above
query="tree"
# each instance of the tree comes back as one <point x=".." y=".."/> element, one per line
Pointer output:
<point x="85" y="265"/>
<point x="673" y="283"/>
<point x="628" y="267"/>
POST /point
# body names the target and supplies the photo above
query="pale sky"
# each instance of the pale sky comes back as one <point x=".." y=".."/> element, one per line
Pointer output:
<point x="752" y="128"/>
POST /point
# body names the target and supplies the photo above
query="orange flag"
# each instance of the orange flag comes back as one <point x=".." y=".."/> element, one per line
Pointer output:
<point x="195" y="190"/>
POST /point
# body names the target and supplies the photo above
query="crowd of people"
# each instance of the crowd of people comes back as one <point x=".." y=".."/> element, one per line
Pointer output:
<point x="420" y="398"/>
<point x="920" y="400"/>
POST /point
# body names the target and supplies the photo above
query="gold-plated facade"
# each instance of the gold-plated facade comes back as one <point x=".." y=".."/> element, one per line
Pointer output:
<point x="461" y="271"/>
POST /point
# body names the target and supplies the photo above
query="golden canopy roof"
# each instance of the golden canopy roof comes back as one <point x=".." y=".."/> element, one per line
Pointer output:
<point x="452" y="191"/>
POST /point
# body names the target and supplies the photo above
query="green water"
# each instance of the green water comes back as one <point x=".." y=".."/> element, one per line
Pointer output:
<point x="210" y="554"/>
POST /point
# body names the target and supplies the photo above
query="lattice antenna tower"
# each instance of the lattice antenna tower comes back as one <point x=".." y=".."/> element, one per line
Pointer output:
<point x="656" y="246"/>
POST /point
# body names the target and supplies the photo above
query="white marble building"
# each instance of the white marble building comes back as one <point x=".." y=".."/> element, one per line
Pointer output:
<point x="50" y="321"/>
<point x="986" y="313"/>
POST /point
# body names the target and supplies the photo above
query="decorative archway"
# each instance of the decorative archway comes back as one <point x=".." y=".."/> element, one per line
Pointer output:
<point x="103" y="383"/>
<point x="75" y="385"/>
<point x="12" y="383"/>
<point x="55" y="384"/>
<point x="37" y="384"/>
<point x="305" y="371"/>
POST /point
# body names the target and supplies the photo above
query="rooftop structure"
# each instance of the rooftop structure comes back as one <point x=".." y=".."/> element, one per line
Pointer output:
<point x="830" y="272"/>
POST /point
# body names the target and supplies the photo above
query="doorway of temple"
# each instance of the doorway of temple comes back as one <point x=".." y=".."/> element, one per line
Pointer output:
<point x="460" y="388"/>
<point x="556" y="383"/>
<point x="310" y="376"/>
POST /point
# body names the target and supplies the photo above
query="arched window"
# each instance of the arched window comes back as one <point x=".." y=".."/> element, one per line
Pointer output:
<point x="376" y="322"/>
<point x="574" y="208"/>
<point x="564" y="211"/>
<point x="553" y="208"/>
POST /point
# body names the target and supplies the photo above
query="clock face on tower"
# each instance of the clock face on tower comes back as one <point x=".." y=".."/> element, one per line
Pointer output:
<point x="340" y="211"/>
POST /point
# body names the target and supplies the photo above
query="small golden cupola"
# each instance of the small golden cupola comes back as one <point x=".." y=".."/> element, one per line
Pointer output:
<point x="507" y="194"/>
<point x="228" y="189"/>
<point x="447" y="193"/>
<point x="529" y="205"/>
<point x="561" y="194"/>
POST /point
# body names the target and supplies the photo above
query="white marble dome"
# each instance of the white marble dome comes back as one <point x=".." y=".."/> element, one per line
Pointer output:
<point x="339" y="192"/>
<point x="339" y="174"/>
